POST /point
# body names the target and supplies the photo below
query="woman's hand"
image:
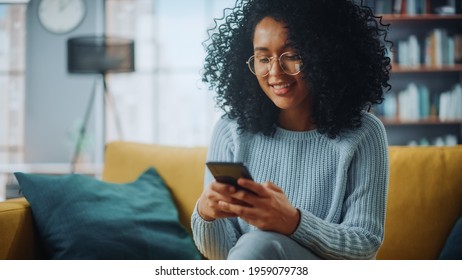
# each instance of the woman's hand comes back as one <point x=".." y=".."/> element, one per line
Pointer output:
<point x="267" y="207"/>
<point x="208" y="205"/>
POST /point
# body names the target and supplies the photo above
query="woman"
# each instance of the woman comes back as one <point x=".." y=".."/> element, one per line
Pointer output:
<point x="294" y="78"/>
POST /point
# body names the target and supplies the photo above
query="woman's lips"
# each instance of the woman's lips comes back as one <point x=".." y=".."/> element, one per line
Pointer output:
<point x="281" y="89"/>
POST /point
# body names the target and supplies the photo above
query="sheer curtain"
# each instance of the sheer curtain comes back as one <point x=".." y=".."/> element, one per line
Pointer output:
<point x="164" y="101"/>
<point x="12" y="63"/>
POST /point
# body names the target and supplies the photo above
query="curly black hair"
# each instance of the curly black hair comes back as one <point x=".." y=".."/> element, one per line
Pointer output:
<point x="343" y="47"/>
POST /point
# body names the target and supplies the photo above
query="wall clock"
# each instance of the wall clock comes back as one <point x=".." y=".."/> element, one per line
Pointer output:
<point x="61" y="16"/>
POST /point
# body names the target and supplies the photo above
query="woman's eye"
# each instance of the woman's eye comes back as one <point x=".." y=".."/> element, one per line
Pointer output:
<point x="263" y="59"/>
<point x="292" y="57"/>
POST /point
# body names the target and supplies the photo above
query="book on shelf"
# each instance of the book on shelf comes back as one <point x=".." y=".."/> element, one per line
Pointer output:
<point x="383" y="7"/>
<point x="450" y="106"/>
<point x="398" y="6"/>
<point x="443" y="140"/>
<point x="409" y="52"/>
<point x="416" y="7"/>
<point x="458" y="48"/>
<point x="439" y="48"/>
<point x="411" y="99"/>
<point x="415" y="103"/>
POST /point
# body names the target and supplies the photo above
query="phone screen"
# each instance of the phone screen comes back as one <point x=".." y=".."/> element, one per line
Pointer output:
<point x="229" y="172"/>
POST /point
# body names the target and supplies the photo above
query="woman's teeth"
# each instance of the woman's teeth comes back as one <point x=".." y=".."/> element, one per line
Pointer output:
<point x="281" y="86"/>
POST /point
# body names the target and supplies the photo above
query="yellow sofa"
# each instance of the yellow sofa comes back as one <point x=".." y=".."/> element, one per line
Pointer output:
<point x="424" y="201"/>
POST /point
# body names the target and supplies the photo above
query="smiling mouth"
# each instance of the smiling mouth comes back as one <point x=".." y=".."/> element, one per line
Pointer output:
<point x="281" y="89"/>
<point x="277" y="87"/>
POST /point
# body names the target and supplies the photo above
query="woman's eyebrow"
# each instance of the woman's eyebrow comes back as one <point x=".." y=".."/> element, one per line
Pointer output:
<point x="261" y="49"/>
<point x="286" y="46"/>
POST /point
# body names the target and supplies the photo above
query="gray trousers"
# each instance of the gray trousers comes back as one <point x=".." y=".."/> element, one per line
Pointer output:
<point x="267" y="245"/>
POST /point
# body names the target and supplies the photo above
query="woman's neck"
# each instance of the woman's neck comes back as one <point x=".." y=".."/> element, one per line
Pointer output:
<point x="295" y="121"/>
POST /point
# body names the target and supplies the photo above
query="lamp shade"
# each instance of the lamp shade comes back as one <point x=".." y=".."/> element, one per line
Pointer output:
<point x="100" y="54"/>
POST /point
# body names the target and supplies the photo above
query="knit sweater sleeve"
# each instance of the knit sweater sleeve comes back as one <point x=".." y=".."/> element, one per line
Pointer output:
<point x="359" y="233"/>
<point x="215" y="238"/>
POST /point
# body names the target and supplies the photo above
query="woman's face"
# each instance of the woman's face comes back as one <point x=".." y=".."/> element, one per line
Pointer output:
<point x="288" y="92"/>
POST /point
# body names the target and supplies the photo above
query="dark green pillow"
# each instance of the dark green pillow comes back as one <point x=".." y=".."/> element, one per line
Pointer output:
<point x="80" y="217"/>
<point x="452" y="249"/>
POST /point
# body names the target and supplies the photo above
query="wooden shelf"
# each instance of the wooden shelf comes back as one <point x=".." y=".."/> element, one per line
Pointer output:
<point x="426" y="69"/>
<point x="428" y="121"/>
<point x="425" y="17"/>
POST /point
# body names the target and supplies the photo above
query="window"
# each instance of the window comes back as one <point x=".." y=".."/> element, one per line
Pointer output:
<point x="164" y="101"/>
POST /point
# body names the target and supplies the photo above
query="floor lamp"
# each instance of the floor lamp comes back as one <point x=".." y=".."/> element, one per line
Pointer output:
<point x="98" y="55"/>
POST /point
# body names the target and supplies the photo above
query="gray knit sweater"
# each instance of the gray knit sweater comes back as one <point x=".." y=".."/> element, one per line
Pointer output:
<point x="339" y="185"/>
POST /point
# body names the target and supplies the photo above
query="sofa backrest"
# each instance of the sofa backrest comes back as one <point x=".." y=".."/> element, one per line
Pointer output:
<point x="424" y="201"/>
<point x="424" y="198"/>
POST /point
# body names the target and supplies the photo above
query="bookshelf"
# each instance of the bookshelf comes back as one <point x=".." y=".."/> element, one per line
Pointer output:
<point x="425" y="103"/>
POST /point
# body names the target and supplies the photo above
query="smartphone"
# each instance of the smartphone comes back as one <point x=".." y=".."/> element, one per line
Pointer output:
<point x="229" y="172"/>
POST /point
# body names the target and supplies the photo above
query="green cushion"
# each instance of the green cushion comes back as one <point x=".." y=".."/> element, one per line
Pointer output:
<point x="452" y="249"/>
<point x="80" y="217"/>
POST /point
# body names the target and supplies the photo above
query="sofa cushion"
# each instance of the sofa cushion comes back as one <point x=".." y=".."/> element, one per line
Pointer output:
<point x="182" y="168"/>
<point x="80" y="217"/>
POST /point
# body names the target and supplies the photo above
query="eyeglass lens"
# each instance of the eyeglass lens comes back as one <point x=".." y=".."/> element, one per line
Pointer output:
<point x="261" y="65"/>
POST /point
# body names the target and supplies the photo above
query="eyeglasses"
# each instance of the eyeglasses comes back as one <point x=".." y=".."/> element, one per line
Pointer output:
<point x="260" y="65"/>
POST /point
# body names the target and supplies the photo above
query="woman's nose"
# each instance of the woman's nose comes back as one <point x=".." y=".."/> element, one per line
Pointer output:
<point x="275" y="67"/>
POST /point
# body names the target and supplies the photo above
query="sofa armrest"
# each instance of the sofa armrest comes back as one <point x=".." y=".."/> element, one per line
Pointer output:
<point x="19" y="239"/>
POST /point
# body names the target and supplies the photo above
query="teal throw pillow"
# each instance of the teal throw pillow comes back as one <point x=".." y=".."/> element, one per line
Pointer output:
<point x="80" y="217"/>
<point x="452" y="249"/>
